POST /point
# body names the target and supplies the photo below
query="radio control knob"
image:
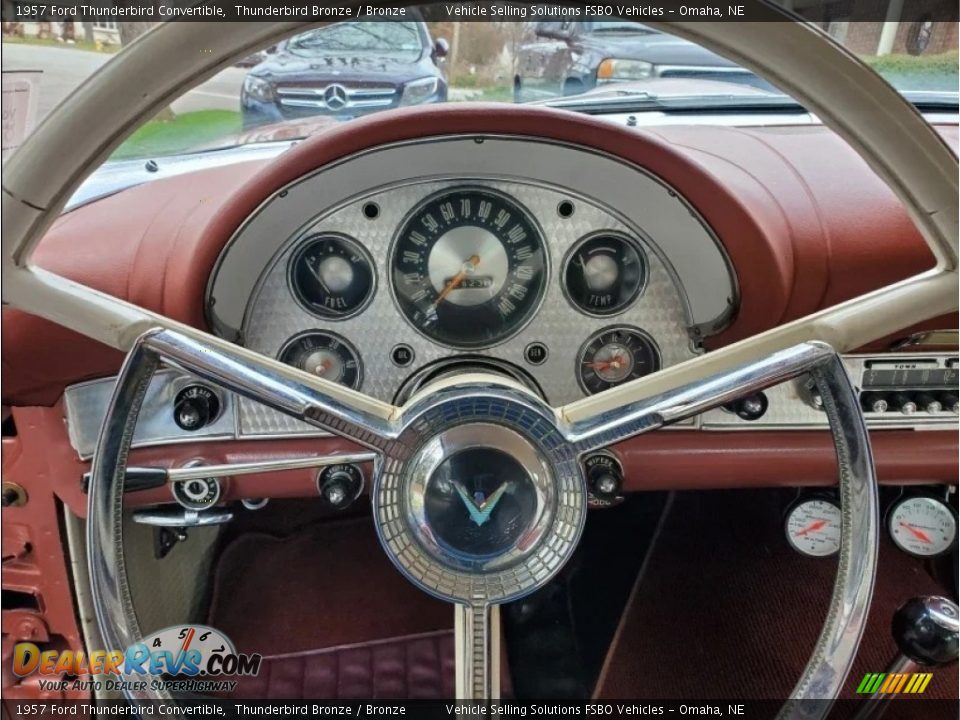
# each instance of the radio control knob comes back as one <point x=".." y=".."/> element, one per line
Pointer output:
<point x="949" y="402"/>
<point x="874" y="402"/>
<point x="904" y="403"/>
<point x="929" y="403"/>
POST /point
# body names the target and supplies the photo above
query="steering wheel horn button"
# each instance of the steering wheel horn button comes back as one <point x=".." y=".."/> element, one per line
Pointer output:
<point x="487" y="503"/>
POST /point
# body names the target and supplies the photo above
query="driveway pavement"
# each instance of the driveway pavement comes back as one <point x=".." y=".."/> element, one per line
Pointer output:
<point x="64" y="68"/>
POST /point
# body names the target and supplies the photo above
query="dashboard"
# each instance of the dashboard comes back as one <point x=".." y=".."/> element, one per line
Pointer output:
<point x="414" y="261"/>
<point x="538" y="273"/>
<point x="569" y="255"/>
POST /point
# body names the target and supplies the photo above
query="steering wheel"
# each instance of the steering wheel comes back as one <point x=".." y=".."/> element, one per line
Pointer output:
<point x="412" y="446"/>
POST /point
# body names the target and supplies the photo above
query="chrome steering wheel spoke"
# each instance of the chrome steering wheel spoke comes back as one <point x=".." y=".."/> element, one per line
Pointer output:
<point x="477" y="647"/>
<point x="678" y="393"/>
<point x="335" y="408"/>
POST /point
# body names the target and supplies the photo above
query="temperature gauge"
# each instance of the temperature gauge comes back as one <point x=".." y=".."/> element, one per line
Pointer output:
<point x="604" y="274"/>
<point x="922" y="526"/>
<point x="615" y="356"/>
<point x="325" y="355"/>
<point x="332" y="276"/>
<point x="813" y="527"/>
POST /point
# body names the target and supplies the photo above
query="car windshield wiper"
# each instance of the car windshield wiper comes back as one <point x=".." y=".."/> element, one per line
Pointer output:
<point x="632" y="101"/>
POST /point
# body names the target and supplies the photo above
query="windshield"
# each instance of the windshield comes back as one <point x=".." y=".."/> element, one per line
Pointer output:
<point x="365" y="37"/>
<point x="615" y="26"/>
<point x="311" y="82"/>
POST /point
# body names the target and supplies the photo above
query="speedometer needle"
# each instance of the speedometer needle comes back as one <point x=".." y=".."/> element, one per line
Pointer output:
<point x="918" y="534"/>
<point x="457" y="279"/>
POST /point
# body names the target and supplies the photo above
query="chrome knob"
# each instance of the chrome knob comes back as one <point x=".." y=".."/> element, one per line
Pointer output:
<point x="929" y="403"/>
<point x="905" y="403"/>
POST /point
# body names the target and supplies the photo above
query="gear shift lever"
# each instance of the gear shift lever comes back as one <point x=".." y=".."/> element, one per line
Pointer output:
<point x="925" y="630"/>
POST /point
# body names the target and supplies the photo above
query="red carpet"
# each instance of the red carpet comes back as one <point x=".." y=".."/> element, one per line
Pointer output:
<point x="327" y="586"/>
<point x="726" y="610"/>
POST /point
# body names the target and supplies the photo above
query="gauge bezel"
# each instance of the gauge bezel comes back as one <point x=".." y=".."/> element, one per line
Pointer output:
<point x="578" y="359"/>
<point x="296" y="253"/>
<point x="618" y="235"/>
<point x="902" y="548"/>
<point x="793" y="507"/>
<point x="189" y="504"/>
<point x="340" y="338"/>
<point x="474" y="185"/>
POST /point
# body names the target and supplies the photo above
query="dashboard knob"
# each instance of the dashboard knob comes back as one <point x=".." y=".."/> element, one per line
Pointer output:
<point x="925" y="630"/>
<point x="751" y="407"/>
<point x="874" y="402"/>
<point x="195" y="407"/>
<point x="928" y="403"/>
<point x="606" y="487"/>
<point x="604" y="480"/>
<point x="340" y="485"/>
<point x="904" y="403"/>
<point x="949" y="402"/>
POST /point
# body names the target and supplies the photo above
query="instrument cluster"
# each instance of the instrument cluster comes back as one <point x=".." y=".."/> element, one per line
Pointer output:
<point x="415" y="282"/>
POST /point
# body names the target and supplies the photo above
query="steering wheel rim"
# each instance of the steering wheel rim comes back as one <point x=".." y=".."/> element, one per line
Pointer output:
<point x="404" y="440"/>
<point x="917" y="166"/>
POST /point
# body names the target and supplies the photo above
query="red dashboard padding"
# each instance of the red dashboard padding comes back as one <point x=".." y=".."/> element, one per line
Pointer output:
<point x="804" y="221"/>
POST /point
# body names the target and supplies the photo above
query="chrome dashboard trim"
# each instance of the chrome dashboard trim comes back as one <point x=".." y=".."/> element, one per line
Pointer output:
<point x="85" y="405"/>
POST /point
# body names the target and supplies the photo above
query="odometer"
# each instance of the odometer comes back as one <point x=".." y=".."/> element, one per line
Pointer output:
<point x="469" y="268"/>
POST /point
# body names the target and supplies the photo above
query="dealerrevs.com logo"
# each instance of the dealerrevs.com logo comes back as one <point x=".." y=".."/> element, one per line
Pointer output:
<point x="181" y="657"/>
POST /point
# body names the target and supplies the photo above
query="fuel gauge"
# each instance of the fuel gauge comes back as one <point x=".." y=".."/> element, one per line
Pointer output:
<point x="332" y="276"/>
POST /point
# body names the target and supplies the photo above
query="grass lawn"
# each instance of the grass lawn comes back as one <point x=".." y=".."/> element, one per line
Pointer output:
<point x="77" y="45"/>
<point x="921" y="72"/>
<point x="186" y="131"/>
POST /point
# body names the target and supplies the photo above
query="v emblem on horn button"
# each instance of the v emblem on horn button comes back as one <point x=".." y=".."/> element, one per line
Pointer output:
<point x="480" y="513"/>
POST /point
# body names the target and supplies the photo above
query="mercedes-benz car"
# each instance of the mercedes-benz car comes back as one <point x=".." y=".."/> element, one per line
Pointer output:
<point x="344" y="71"/>
<point x="644" y="397"/>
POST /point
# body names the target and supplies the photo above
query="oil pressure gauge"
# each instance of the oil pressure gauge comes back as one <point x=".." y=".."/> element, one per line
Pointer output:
<point x="813" y="527"/>
<point x="922" y="526"/>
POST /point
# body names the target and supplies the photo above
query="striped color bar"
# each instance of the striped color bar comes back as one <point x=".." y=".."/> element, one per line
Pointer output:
<point x="894" y="683"/>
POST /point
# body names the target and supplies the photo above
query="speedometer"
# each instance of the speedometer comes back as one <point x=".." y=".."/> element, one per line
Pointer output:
<point x="469" y="268"/>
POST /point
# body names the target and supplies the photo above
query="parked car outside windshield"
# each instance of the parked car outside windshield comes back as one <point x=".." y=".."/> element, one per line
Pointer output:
<point x="345" y="70"/>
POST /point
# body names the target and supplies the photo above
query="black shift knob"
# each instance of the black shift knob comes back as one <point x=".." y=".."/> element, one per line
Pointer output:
<point x="925" y="630"/>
